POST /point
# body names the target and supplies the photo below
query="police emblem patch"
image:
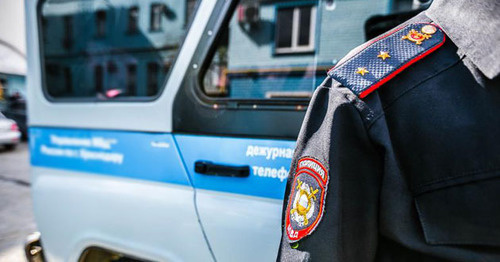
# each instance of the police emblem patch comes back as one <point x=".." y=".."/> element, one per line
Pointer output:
<point x="306" y="203"/>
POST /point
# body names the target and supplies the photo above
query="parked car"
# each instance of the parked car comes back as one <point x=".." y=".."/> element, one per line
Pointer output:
<point x="9" y="133"/>
<point x="16" y="110"/>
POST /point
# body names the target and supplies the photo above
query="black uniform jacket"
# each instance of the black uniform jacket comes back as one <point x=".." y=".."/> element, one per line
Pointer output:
<point x="412" y="169"/>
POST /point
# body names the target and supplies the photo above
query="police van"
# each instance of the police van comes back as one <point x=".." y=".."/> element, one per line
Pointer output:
<point x="163" y="130"/>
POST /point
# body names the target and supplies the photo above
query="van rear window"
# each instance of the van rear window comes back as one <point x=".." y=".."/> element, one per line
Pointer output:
<point x="110" y="49"/>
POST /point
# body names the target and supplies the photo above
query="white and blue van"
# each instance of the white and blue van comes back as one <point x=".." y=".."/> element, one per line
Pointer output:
<point x="163" y="130"/>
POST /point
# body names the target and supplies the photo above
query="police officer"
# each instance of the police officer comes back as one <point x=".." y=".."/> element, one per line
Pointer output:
<point x="398" y="158"/>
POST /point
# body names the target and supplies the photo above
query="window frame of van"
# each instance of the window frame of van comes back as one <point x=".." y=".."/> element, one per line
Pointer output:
<point x="293" y="104"/>
<point x="126" y="99"/>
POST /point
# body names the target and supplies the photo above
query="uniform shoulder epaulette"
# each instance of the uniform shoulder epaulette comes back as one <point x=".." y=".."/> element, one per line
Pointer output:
<point x="384" y="57"/>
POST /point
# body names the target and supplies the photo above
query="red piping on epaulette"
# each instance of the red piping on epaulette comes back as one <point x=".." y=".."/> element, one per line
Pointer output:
<point x="403" y="67"/>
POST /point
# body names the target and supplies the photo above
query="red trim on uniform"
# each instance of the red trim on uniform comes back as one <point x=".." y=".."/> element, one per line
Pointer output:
<point x="403" y="67"/>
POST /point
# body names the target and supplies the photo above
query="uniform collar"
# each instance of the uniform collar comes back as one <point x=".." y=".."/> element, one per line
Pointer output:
<point x="473" y="27"/>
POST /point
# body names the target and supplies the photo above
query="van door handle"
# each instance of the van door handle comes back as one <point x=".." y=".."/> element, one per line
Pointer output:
<point x="209" y="168"/>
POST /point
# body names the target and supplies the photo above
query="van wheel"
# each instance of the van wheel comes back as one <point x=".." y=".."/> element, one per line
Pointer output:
<point x="10" y="147"/>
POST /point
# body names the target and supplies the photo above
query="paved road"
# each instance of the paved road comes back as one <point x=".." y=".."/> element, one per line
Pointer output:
<point x="16" y="215"/>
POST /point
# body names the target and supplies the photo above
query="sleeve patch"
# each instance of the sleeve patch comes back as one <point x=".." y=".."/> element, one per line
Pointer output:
<point x="307" y="198"/>
<point x="385" y="57"/>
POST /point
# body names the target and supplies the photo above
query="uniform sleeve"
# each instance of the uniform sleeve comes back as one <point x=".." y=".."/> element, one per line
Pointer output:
<point x="332" y="196"/>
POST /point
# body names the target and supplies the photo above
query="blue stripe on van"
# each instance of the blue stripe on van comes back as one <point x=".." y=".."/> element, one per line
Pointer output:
<point x="146" y="156"/>
<point x="156" y="157"/>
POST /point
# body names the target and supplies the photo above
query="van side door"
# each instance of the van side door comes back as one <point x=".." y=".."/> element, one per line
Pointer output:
<point x="237" y="116"/>
<point x="242" y="104"/>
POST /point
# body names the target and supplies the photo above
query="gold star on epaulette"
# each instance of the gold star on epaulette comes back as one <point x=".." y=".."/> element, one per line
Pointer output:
<point x="362" y="71"/>
<point x="383" y="54"/>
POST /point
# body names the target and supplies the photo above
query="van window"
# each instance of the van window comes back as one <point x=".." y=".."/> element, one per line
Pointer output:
<point x="260" y="60"/>
<point x="110" y="49"/>
<point x="267" y="51"/>
<point x="281" y="50"/>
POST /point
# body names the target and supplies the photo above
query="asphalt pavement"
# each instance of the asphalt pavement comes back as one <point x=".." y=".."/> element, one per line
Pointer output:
<point x="16" y="208"/>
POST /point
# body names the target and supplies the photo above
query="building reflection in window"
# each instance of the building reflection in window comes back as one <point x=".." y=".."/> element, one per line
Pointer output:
<point x="131" y="79"/>
<point x="98" y="78"/>
<point x="133" y="19"/>
<point x="68" y="32"/>
<point x="277" y="49"/>
<point x="107" y="47"/>
<point x="100" y="20"/>
<point x="156" y="14"/>
<point x="152" y="79"/>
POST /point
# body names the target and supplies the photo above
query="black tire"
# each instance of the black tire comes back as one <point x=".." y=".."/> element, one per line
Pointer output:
<point x="10" y="147"/>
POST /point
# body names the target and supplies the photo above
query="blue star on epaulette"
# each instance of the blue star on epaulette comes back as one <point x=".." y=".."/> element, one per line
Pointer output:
<point x="386" y="56"/>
